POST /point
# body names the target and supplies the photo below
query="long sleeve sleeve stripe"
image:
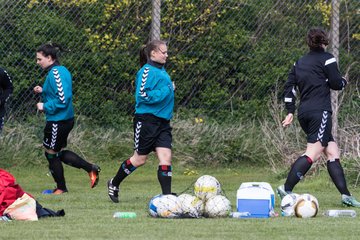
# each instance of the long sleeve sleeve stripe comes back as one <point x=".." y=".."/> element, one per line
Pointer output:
<point x="60" y="89"/>
<point x="143" y="82"/>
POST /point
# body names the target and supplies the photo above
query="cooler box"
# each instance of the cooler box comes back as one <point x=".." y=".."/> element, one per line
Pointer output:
<point x="257" y="198"/>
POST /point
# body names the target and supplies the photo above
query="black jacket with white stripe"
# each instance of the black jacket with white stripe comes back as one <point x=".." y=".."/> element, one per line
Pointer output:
<point x="313" y="75"/>
<point x="6" y="89"/>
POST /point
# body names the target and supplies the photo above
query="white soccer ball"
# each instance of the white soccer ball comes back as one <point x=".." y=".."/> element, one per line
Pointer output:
<point x="307" y="206"/>
<point x="288" y="203"/>
<point x="169" y="206"/>
<point x="217" y="206"/>
<point x="206" y="186"/>
<point x="153" y="205"/>
<point x="192" y="206"/>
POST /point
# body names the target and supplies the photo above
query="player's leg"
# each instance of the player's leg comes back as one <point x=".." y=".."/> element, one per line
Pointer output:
<point x="72" y="159"/>
<point x="144" y="136"/>
<point x="52" y="143"/>
<point x="126" y="168"/>
<point x="164" y="154"/>
<point x="302" y="165"/>
<point x="164" y="172"/>
<point x="337" y="175"/>
<point x="313" y="125"/>
<point x="335" y="169"/>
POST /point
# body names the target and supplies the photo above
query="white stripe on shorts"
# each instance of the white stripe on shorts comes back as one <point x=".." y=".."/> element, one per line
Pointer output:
<point x="54" y="132"/>
<point x="322" y="126"/>
<point x="137" y="135"/>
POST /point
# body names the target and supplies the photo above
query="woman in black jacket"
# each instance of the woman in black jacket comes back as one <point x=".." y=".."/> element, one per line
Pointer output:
<point x="314" y="75"/>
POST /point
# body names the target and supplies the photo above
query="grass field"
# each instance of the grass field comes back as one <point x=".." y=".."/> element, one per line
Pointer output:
<point x="89" y="211"/>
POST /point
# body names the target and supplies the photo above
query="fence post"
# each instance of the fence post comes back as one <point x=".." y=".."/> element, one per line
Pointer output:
<point x="334" y="39"/>
<point x="155" y="20"/>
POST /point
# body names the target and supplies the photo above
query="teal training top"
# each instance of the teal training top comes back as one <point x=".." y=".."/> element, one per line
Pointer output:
<point x="154" y="92"/>
<point x="57" y="94"/>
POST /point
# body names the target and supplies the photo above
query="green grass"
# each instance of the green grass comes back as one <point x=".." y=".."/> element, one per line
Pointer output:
<point x="89" y="211"/>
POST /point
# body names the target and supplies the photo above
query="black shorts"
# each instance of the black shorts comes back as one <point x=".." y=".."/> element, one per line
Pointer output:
<point x="151" y="132"/>
<point x="317" y="126"/>
<point x="56" y="134"/>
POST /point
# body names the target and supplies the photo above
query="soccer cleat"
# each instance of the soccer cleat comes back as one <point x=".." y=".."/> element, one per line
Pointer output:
<point x="5" y="218"/>
<point x="281" y="191"/>
<point x="55" y="191"/>
<point x="113" y="191"/>
<point x="58" y="191"/>
<point x="94" y="175"/>
<point x="349" y="201"/>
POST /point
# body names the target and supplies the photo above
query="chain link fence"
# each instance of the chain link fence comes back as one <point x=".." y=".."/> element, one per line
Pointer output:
<point x="228" y="58"/>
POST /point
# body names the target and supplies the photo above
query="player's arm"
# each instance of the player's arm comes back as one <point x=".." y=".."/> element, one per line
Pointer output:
<point x="148" y="93"/>
<point x="335" y="80"/>
<point x="6" y="85"/>
<point x="290" y="97"/>
<point x="63" y="94"/>
<point x="290" y="92"/>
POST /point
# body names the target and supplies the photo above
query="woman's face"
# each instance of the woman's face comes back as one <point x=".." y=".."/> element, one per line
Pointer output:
<point x="160" y="54"/>
<point x="43" y="61"/>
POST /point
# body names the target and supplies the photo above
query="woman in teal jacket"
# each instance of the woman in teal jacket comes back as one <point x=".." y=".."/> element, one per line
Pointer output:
<point x="57" y="105"/>
<point x="154" y="97"/>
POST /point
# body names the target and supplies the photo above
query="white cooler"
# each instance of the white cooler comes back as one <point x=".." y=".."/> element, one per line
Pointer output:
<point x="257" y="198"/>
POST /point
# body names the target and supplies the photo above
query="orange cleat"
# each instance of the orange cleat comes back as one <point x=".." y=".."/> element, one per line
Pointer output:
<point x="58" y="191"/>
<point x="94" y="175"/>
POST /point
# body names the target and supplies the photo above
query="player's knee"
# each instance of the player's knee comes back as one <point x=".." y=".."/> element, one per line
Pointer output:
<point x="138" y="160"/>
<point x="332" y="151"/>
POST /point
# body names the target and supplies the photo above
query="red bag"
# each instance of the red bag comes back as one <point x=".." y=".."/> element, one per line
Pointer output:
<point x="9" y="190"/>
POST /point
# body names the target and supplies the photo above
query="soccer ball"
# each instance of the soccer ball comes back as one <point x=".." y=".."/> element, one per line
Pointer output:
<point x="288" y="203"/>
<point x="206" y="186"/>
<point x="169" y="206"/>
<point x="217" y="206"/>
<point x="192" y="206"/>
<point x="307" y="206"/>
<point x="153" y="205"/>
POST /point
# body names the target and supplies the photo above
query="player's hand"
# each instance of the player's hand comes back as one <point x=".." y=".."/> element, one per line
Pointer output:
<point x="288" y="120"/>
<point x="40" y="106"/>
<point x="174" y="87"/>
<point x="38" y="89"/>
<point x="345" y="78"/>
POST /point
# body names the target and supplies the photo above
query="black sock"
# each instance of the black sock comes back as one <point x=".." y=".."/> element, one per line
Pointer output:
<point x="72" y="159"/>
<point x="164" y="177"/>
<point x="57" y="170"/>
<point x="125" y="170"/>
<point x="297" y="172"/>
<point x="336" y="173"/>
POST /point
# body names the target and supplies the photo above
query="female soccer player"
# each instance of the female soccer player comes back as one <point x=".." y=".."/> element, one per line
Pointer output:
<point x="154" y="97"/>
<point x="57" y="104"/>
<point x="314" y="75"/>
<point x="6" y="89"/>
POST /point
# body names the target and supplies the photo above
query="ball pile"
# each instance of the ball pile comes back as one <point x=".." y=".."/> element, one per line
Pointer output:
<point x="207" y="201"/>
<point x="302" y="206"/>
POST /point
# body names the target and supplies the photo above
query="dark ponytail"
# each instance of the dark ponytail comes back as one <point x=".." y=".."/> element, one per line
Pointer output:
<point x="146" y="50"/>
<point x="51" y="49"/>
<point x="316" y="37"/>
<point x="143" y="56"/>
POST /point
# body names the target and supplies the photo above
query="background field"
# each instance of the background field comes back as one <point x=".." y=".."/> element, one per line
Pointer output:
<point x="89" y="211"/>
